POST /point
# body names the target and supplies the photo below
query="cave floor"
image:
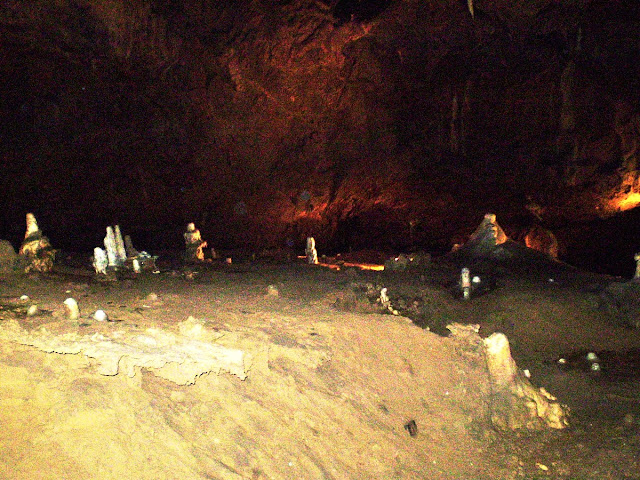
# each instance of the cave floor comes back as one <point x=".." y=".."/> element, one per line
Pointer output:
<point x="332" y="379"/>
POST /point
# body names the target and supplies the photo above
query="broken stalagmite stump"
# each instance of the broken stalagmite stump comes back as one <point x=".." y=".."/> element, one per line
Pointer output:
<point x="36" y="253"/>
<point x="515" y="402"/>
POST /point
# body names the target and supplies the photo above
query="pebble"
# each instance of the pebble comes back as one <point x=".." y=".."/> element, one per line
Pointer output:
<point x="100" y="316"/>
<point x="32" y="311"/>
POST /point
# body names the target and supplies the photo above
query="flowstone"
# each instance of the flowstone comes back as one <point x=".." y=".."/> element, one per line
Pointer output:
<point x="173" y="357"/>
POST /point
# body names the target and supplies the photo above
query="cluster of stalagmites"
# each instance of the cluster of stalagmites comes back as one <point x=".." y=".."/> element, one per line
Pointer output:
<point x="120" y="254"/>
<point x="36" y="253"/>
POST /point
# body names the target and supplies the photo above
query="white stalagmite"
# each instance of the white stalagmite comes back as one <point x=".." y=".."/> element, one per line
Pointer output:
<point x="32" y="225"/>
<point x="311" y="252"/>
<point x="465" y="283"/>
<point x="100" y="261"/>
<point x="110" y="247"/>
<point x="121" y="254"/>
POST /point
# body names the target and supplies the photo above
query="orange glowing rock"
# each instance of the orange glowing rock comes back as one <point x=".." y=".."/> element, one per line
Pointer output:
<point x="629" y="201"/>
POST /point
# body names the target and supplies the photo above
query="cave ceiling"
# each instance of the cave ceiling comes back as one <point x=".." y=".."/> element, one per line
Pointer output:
<point x="377" y="123"/>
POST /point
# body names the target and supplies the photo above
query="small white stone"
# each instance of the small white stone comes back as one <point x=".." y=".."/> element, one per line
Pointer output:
<point x="562" y="361"/>
<point x="595" y="367"/>
<point x="592" y="357"/>
<point x="32" y="311"/>
<point x="24" y="298"/>
<point x="100" y="316"/>
<point x="527" y="373"/>
<point x="475" y="279"/>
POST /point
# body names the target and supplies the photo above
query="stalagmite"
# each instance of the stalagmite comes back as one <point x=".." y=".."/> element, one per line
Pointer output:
<point x="194" y="244"/>
<point x="311" y="252"/>
<point x="100" y="261"/>
<point x="36" y="253"/>
<point x="110" y="247"/>
<point x="32" y="225"/>
<point x="71" y="309"/>
<point x="486" y="239"/>
<point x="515" y="402"/>
<point x="465" y="283"/>
<point x="121" y="254"/>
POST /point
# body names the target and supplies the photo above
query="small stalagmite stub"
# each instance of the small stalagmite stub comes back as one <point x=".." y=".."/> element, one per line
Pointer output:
<point x="71" y="309"/>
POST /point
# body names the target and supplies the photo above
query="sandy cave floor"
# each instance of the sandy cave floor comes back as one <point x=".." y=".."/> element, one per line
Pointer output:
<point x="331" y="380"/>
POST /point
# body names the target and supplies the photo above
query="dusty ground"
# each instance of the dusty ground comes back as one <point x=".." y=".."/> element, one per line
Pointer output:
<point x="331" y="380"/>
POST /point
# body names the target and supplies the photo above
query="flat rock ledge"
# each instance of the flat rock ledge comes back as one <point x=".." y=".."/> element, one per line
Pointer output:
<point x="175" y="358"/>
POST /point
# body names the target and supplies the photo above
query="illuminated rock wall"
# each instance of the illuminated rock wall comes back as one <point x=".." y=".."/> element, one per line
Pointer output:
<point x="372" y="123"/>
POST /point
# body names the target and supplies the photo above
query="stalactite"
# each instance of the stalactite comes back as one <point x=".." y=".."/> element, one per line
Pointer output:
<point x="471" y="9"/>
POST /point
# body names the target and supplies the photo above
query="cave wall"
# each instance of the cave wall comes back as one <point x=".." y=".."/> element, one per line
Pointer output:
<point x="364" y="123"/>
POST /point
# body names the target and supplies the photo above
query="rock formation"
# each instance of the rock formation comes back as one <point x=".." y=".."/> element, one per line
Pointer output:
<point x="515" y="402"/>
<point x="36" y="253"/>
